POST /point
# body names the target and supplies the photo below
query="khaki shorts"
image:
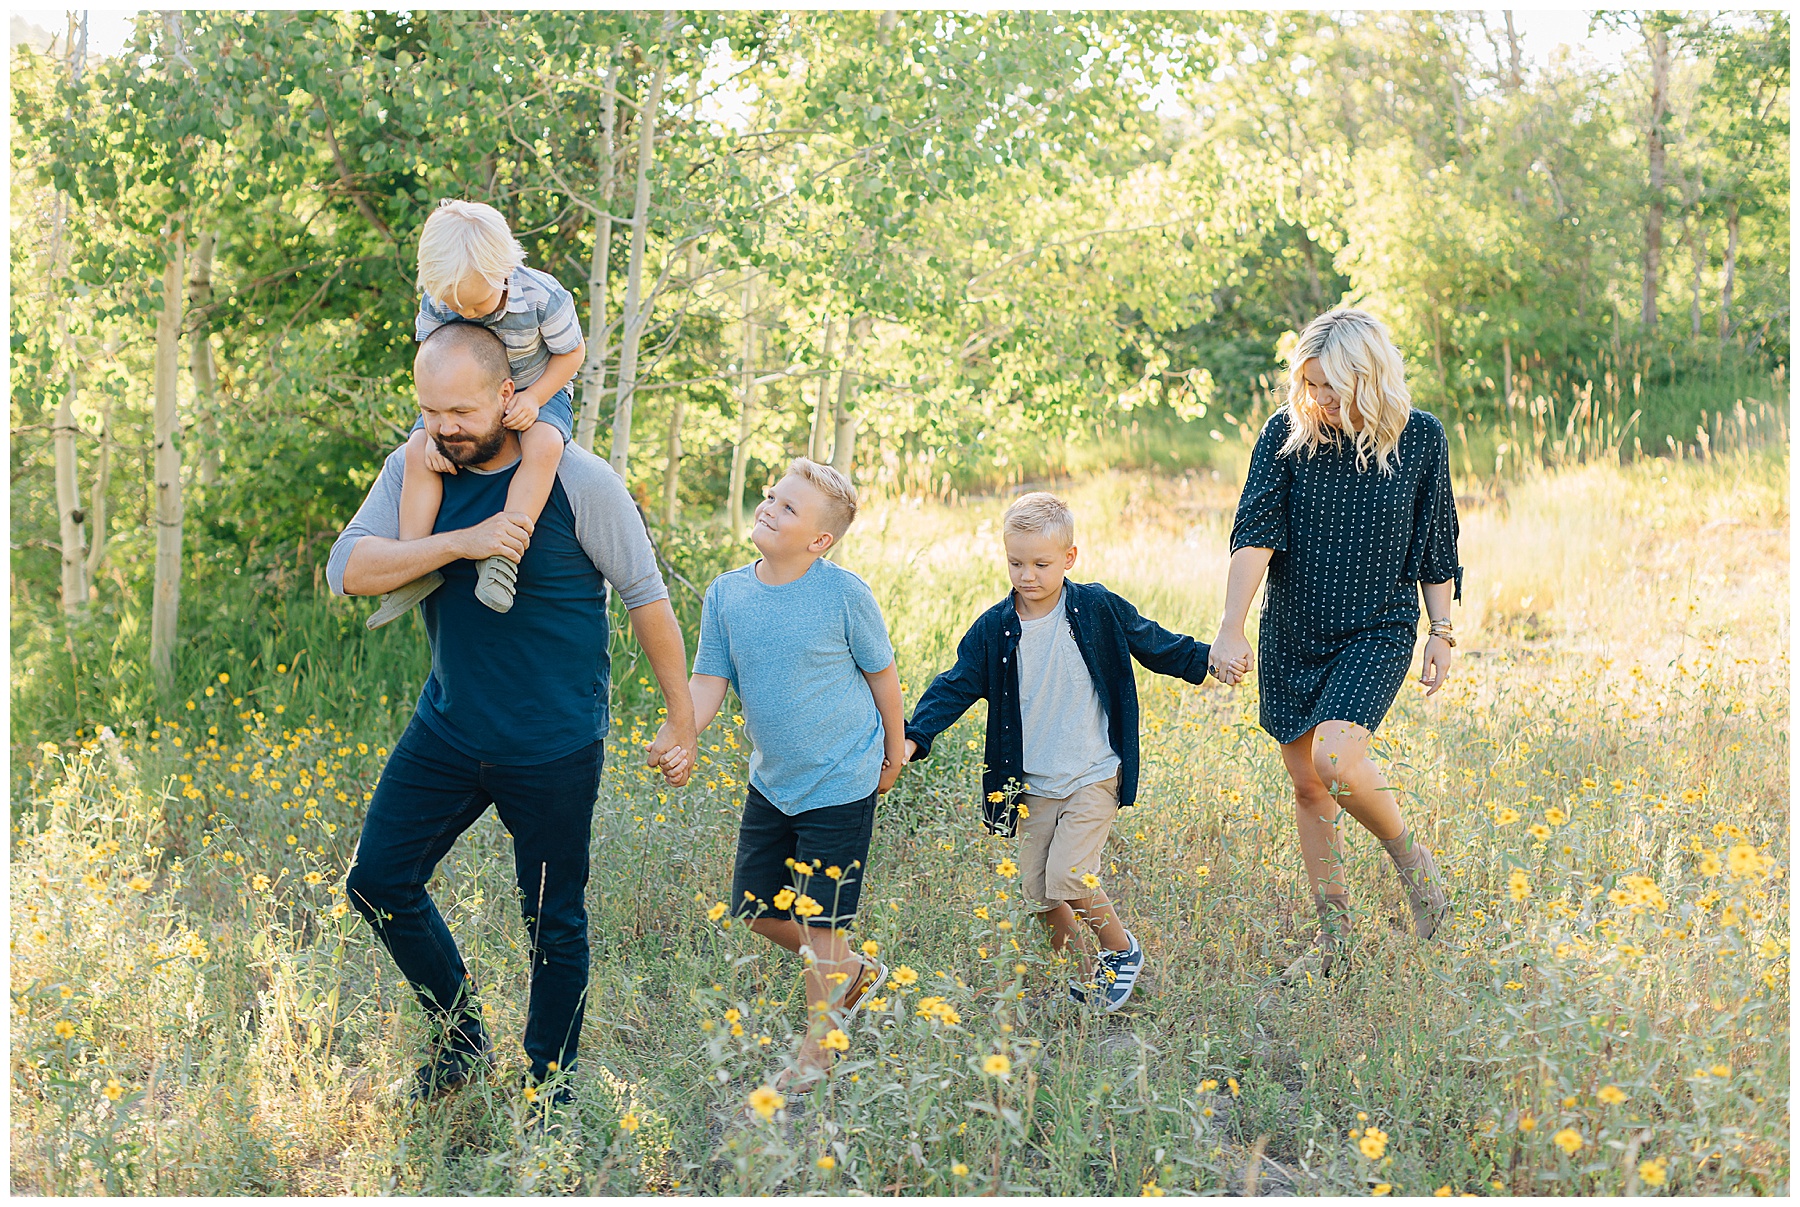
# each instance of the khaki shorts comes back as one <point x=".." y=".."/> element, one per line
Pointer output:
<point x="1060" y="840"/>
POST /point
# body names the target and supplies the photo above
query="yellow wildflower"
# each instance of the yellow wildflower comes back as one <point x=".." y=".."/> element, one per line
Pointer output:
<point x="1654" y="1172"/>
<point x="1007" y="868"/>
<point x="806" y="907"/>
<point x="905" y="976"/>
<point x="114" y="1090"/>
<point x="835" y="1041"/>
<point x="765" y="1101"/>
<point x="1091" y="880"/>
<point x="960" y="1170"/>
<point x="996" y="1065"/>
<point x="1209" y="1085"/>
<point x="628" y="1122"/>
<point x="827" y="1162"/>
<point x="138" y="884"/>
<point x="1518" y="885"/>
<point x="1505" y="816"/>
<point x="1373" y="1143"/>
<point x="1569" y="1140"/>
<point x="1710" y="864"/>
<point x="716" y="912"/>
<point x="1539" y="831"/>
<point x="1381" y="1188"/>
<point x="64" y="1029"/>
<point x="1527" y="1123"/>
<point x="1555" y="816"/>
<point x="1612" y="1095"/>
<point x="1151" y="1190"/>
<point x="784" y="898"/>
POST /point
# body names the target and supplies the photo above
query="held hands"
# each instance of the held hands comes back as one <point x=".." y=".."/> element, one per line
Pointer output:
<point x="890" y="772"/>
<point x="520" y="413"/>
<point x="672" y="753"/>
<point x="1436" y="666"/>
<point x="1230" y="658"/>
<point x="505" y="534"/>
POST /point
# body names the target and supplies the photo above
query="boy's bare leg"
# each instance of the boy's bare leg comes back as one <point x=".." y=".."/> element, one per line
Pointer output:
<point x="832" y="963"/>
<point x="540" y="452"/>
<point x="421" y="491"/>
<point x="1069" y="921"/>
<point x="421" y="494"/>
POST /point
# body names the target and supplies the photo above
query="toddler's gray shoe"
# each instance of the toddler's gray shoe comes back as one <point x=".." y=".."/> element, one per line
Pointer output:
<point x="401" y="600"/>
<point x="496" y="582"/>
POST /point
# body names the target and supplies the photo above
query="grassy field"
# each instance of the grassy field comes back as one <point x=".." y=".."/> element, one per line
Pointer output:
<point x="194" y="1009"/>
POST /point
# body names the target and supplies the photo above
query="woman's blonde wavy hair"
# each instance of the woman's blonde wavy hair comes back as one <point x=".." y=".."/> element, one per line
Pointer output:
<point x="1363" y="366"/>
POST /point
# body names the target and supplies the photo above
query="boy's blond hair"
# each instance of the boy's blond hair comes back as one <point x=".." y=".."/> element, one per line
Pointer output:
<point x="463" y="241"/>
<point x="1041" y="511"/>
<point x="839" y="492"/>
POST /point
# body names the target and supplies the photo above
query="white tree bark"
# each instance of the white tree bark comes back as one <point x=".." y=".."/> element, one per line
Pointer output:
<point x="843" y="444"/>
<point x="63" y="429"/>
<point x="200" y="361"/>
<point x="636" y="314"/>
<point x="1731" y="242"/>
<point x="734" y="496"/>
<point x="166" y="603"/>
<point x="1658" y="43"/>
<point x="672" y="467"/>
<point x="815" y="448"/>
<point x="593" y="378"/>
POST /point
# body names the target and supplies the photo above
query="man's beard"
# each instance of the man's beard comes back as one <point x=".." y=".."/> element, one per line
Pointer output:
<point x="470" y="450"/>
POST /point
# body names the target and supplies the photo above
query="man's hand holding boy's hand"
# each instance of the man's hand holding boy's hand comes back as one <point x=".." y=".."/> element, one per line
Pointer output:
<point x="520" y="413"/>
<point x="890" y="773"/>
<point x="671" y="756"/>
<point x="912" y="748"/>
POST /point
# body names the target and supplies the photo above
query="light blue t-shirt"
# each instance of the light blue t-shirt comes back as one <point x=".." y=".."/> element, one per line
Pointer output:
<point x="796" y="655"/>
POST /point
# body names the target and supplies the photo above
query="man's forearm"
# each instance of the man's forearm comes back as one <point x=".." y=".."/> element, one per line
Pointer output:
<point x="658" y="633"/>
<point x="379" y="564"/>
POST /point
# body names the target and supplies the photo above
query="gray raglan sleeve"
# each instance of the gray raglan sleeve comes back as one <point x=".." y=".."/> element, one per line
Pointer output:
<point x="379" y="515"/>
<point x="609" y="527"/>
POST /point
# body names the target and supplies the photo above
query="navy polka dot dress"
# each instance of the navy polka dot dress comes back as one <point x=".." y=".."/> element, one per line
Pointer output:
<point x="1341" y="610"/>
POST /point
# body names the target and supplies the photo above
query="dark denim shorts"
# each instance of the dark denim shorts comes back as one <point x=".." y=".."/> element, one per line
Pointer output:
<point x="800" y="854"/>
<point x="559" y="413"/>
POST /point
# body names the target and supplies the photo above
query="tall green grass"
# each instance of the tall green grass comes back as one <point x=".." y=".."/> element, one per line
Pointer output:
<point x="1606" y="1014"/>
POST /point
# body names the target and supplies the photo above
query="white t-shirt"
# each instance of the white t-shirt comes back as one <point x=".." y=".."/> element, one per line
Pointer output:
<point x="1066" y="747"/>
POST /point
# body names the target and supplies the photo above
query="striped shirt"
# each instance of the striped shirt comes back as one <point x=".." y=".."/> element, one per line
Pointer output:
<point x="536" y="321"/>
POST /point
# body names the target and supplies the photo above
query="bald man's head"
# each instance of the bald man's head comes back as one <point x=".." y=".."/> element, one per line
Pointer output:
<point x="464" y="383"/>
<point x="464" y="348"/>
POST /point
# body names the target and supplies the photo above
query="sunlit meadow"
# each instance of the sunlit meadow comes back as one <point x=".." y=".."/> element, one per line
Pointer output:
<point x="196" y="1010"/>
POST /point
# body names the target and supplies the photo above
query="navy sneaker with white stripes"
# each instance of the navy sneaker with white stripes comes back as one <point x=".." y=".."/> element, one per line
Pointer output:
<point x="1116" y="974"/>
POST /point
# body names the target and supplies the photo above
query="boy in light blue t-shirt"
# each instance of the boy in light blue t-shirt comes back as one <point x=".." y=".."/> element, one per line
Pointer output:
<point x="802" y="642"/>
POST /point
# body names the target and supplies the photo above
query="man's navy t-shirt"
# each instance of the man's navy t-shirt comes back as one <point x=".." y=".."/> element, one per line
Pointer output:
<point x="529" y="685"/>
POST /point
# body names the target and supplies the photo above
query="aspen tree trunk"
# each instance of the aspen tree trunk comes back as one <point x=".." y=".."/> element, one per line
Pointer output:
<point x="593" y="378"/>
<point x="1731" y="241"/>
<point x="1515" y="77"/>
<point x="822" y="408"/>
<point x="1506" y="370"/>
<point x="63" y="429"/>
<point x="98" y="490"/>
<point x="167" y="599"/>
<point x="635" y="318"/>
<point x="843" y="444"/>
<point x="734" y="500"/>
<point x="200" y="361"/>
<point x="672" y="469"/>
<point x="1697" y="254"/>
<point x="1653" y="216"/>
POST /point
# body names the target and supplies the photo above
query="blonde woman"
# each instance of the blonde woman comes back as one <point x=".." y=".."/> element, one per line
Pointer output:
<point x="1347" y="505"/>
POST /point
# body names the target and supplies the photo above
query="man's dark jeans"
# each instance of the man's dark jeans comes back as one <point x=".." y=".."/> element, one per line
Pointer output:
<point x="428" y="795"/>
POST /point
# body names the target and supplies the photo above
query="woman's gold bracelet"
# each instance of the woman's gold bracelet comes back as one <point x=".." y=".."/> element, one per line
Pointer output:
<point x="1445" y="630"/>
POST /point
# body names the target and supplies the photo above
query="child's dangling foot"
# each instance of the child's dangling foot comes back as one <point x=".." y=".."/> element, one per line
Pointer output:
<point x="401" y="600"/>
<point x="497" y="582"/>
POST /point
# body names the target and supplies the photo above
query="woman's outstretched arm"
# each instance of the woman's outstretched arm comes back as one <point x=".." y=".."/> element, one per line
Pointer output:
<point x="1231" y="657"/>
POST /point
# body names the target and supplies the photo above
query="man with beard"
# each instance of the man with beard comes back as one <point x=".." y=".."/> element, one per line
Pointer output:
<point x="515" y="711"/>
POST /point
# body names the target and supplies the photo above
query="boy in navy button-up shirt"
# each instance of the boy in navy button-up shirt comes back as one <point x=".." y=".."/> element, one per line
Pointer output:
<point x="1108" y="633"/>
